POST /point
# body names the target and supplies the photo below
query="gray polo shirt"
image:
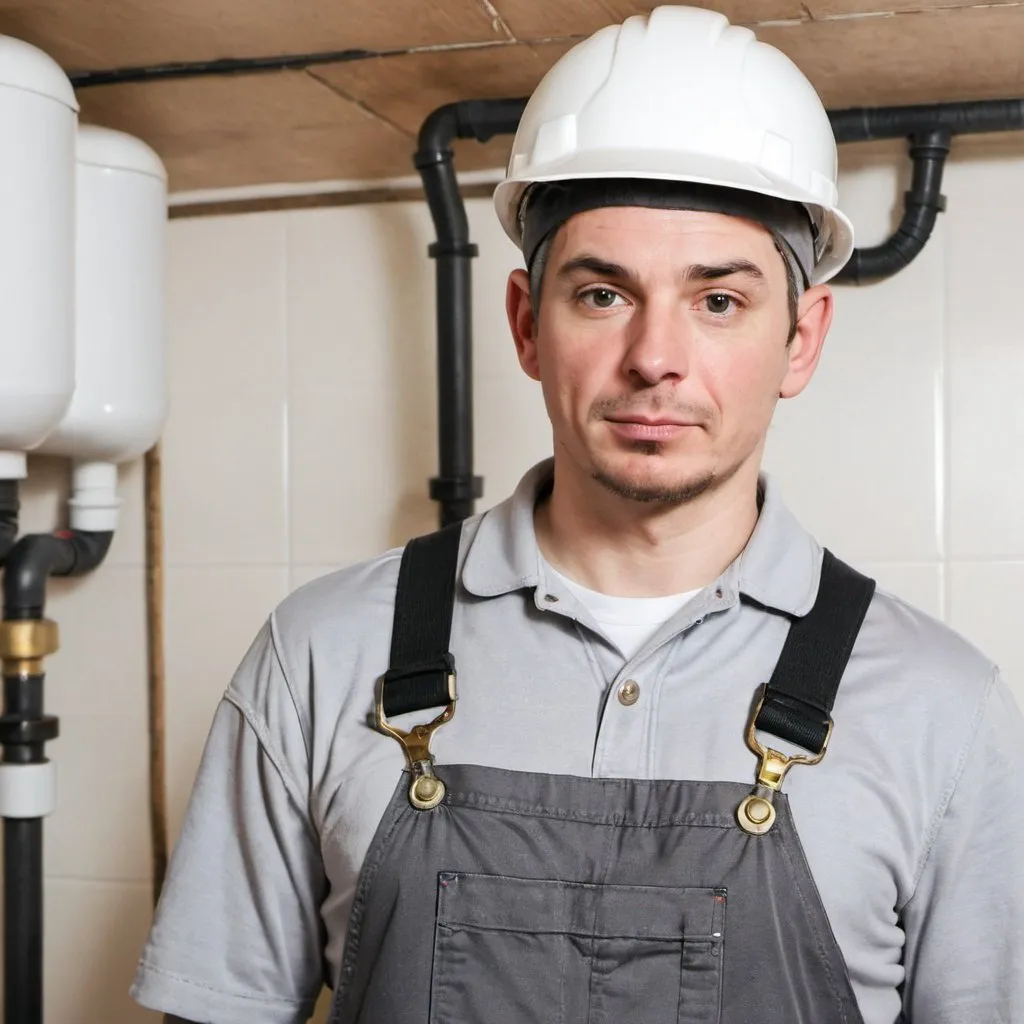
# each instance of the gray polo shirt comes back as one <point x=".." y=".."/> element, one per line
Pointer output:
<point x="913" y="825"/>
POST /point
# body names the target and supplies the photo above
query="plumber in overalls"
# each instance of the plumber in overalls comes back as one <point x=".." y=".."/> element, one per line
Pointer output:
<point x="630" y="747"/>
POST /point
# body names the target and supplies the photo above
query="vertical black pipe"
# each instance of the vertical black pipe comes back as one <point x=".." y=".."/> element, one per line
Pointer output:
<point x="455" y="486"/>
<point x="23" y="731"/>
<point x="9" y="508"/>
<point x="23" y="920"/>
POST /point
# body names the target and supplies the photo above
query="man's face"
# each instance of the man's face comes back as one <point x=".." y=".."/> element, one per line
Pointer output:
<point x="661" y="347"/>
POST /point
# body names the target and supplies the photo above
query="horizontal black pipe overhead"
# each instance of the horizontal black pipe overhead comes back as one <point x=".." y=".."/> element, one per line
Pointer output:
<point x="82" y="79"/>
<point x="861" y="124"/>
<point x="220" y="66"/>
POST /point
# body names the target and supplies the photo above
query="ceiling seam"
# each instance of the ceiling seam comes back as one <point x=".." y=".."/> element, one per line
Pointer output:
<point x="497" y="21"/>
<point x="366" y="108"/>
<point x="944" y="9"/>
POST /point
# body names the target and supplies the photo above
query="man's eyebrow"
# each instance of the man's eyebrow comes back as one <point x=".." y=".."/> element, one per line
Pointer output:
<point x="597" y="266"/>
<point x="703" y="272"/>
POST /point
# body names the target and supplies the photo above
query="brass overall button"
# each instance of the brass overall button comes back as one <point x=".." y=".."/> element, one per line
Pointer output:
<point x="629" y="693"/>
<point x="756" y="815"/>
<point x="426" y="792"/>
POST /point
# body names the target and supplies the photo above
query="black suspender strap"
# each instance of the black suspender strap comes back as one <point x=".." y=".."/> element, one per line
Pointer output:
<point x="421" y="664"/>
<point x="798" y="700"/>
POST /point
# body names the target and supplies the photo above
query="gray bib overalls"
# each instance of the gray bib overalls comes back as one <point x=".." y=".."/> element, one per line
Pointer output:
<point x="500" y="897"/>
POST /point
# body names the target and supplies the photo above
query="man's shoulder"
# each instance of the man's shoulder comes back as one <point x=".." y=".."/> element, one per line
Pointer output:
<point x="350" y="603"/>
<point x="357" y="594"/>
<point x="922" y="655"/>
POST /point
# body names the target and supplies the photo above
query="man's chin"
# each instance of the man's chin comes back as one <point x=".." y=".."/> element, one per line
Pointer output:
<point x="652" y="489"/>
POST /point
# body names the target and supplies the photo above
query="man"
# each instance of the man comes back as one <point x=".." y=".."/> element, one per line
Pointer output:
<point x="607" y="828"/>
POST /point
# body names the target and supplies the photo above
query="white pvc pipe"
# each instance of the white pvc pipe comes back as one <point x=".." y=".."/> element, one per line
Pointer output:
<point x="28" y="790"/>
<point x="13" y="466"/>
<point x="94" y="502"/>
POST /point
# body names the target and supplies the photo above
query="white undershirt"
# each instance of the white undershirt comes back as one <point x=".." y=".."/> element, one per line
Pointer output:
<point x="629" y="622"/>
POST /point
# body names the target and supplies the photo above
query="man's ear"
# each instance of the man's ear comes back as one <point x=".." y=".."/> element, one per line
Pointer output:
<point x="814" y="316"/>
<point x="521" y="321"/>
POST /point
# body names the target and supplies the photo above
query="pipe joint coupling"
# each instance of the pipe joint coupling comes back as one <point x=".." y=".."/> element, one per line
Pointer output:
<point x="25" y="642"/>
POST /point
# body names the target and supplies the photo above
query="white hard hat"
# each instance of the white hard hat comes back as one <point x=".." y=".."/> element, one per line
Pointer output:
<point x="682" y="95"/>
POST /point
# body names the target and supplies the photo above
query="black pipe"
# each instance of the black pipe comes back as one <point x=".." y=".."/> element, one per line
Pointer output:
<point x="929" y="128"/>
<point x="9" y="509"/>
<point x="219" y="66"/>
<point x="862" y="124"/>
<point x="455" y="486"/>
<point x="24" y="730"/>
<point x="23" y="925"/>
<point x="921" y="206"/>
<point x="41" y="555"/>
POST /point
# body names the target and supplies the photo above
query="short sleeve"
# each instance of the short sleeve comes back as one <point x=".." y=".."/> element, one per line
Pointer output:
<point x="237" y="937"/>
<point x="965" y="923"/>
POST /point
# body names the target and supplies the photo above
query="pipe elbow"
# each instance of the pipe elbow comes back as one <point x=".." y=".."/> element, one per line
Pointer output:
<point x="35" y="558"/>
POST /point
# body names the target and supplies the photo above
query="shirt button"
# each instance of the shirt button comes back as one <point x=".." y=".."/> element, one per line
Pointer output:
<point x="629" y="693"/>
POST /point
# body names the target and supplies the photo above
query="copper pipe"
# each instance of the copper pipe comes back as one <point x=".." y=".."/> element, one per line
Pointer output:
<point x="155" y="638"/>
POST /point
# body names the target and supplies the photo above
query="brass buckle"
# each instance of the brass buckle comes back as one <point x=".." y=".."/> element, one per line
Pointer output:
<point x="756" y="813"/>
<point x="774" y="765"/>
<point x="426" y="790"/>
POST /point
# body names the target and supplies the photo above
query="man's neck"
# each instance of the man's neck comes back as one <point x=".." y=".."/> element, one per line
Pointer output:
<point x="628" y="549"/>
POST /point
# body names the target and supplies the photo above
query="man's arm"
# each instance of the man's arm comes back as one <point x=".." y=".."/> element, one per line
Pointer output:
<point x="964" y="954"/>
<point x="237" y="933"/>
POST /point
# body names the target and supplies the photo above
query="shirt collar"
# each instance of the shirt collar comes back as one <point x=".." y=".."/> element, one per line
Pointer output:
<point x="779" y="568"/>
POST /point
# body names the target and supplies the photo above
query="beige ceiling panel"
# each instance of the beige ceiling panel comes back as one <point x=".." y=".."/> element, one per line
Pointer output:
<point x="252" y="129"/>
<point x="361" y="153"/>
<point x="405" y="89"/>
<point x="543" y="19"/>
<point x="92" y="35"/>
<point x="928" y="57"/>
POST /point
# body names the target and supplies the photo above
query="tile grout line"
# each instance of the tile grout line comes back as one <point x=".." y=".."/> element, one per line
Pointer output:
<point x="945" y="425"/>
<point x="286" y="452"/>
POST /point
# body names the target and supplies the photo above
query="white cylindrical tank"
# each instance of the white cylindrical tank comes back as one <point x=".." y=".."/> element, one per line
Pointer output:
<point x="120" y="399"/>
<point x="38" y="119"/>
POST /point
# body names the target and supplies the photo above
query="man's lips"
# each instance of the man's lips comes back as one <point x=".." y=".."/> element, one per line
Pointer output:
<point x="648" y="428"/>
<point x="651" y="421"/>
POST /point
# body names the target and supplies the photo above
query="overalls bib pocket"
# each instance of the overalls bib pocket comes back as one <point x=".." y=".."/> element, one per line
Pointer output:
<point x="536" y="951"/>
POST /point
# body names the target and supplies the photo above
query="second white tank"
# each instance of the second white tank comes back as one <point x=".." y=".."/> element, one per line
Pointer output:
<point x="120" y="398"/>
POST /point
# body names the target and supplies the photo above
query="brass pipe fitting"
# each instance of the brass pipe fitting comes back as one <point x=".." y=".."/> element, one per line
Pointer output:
<point x="24" y="643"/>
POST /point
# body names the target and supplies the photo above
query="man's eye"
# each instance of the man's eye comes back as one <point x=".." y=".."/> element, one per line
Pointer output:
<point x="600" y="298"/>
<point x="719" y="303"/>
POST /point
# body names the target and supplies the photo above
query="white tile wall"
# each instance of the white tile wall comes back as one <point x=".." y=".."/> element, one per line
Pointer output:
<point x="302" y="437"/>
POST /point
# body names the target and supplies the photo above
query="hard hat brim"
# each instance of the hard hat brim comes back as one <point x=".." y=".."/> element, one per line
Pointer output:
<point x="835" y="232"/>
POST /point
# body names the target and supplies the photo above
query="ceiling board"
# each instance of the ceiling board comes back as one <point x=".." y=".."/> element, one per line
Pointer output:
<point x="405" y="88"/>
<point x="928" y="57"/>
<point x="251" y="129"/>
<point x="93" y="35"/>
<point x="359" y="119"/>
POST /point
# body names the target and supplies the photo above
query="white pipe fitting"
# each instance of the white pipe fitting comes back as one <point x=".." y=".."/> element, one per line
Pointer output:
<point x="28" y="790"/>
<point x="13" y="466"/>
<point x="94" y="502"/>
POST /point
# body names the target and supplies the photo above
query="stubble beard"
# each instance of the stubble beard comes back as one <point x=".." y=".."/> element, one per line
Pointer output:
<point x="670" y="496"/>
